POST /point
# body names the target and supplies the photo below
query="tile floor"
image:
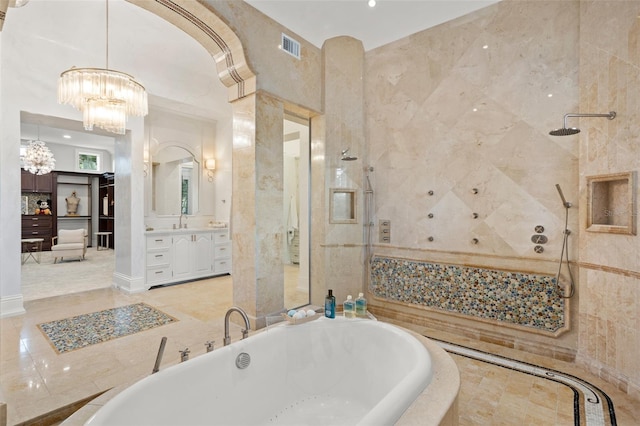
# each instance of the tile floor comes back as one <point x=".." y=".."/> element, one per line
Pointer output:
<point x="35" y="379"/>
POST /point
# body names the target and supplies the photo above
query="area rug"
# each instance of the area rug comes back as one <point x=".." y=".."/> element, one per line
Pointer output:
<point x="84" y="330"/>
<point x="591" y="406"/>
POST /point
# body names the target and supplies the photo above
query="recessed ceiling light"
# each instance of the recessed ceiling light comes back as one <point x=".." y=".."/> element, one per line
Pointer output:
<point x="550" y="95"/>
<point x="66" y="136"/>
<point x="372" y="3"/>
<point x="486" y="46"/>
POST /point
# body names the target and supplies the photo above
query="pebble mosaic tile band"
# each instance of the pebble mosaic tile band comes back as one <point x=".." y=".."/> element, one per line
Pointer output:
<point x="521" y="299"/>
<point x="83" y="330"/>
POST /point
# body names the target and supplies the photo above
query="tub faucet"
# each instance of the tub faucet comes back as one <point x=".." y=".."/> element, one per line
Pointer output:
<point x="245" y="332"/>
<point x="184" y="355"/>
<point x="156" y="366"/>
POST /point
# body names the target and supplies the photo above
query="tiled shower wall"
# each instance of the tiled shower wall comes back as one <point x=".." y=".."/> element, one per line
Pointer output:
<point x="458" y="120"/>
<point x="609" y="319"/>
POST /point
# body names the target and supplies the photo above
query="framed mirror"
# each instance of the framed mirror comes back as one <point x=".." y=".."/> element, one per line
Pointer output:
<point x="612" y="203"/>
<point x="342" y="206"/>
<point x="175" y="181"/>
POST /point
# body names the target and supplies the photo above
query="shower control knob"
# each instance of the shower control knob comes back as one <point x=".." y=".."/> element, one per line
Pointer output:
<point x="539" y="239"/>
<point x="430" y="215"/>
<point x="539" y="229"/>
<point x="538" y="249"/>
<point x="430" y="192"/>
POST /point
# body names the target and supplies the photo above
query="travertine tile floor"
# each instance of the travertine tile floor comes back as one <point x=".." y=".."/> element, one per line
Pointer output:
<point x="35" y="380"/>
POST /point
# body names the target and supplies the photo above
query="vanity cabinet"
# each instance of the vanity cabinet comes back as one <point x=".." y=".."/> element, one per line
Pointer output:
<point x="192" y="255"/>
<point x="159" y="259"/>
<point x="183" y="255"/>
<point x="221" y="252"/>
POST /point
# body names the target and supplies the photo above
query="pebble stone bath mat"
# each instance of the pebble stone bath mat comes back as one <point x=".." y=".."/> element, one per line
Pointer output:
<point x="84" y="330"/>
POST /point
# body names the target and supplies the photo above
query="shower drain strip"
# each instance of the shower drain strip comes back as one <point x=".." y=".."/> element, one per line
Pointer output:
<point x="595" y="402"/>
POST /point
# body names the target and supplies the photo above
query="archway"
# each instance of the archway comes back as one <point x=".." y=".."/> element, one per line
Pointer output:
<point x="202" y="25"/>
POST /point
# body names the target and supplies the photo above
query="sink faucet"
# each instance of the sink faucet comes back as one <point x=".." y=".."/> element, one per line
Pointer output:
<point x="245" y="332"/>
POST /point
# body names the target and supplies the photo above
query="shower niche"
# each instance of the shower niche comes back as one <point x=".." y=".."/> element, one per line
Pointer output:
<point x="342" y="206"/>
<point x="612" y="206"/>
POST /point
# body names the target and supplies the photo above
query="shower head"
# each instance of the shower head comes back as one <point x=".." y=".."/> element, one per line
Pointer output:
<point x="565" y="203"/>
<point x="564" y="131"/>
<point x="346" y="157"/>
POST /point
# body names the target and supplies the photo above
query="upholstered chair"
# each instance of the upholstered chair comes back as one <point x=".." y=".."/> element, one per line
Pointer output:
<point x="69" y="242"/>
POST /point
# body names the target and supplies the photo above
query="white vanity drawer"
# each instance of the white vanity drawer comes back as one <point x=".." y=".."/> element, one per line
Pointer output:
<point x="159" y="274"/>
<point x="159" y="258"/>
<point x="220" y="237"/>
<point x="222" y="266"/>
<point x="159" y="242"/>
<point x="222" y="251"/>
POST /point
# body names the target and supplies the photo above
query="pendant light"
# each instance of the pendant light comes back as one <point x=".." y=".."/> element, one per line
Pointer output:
<point x="38" y="159"/>
<point x="106" y="97"/>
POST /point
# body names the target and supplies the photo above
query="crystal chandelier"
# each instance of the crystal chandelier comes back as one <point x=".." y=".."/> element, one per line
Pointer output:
<point x="38" y="159"/>
<point x="105" y="97"/>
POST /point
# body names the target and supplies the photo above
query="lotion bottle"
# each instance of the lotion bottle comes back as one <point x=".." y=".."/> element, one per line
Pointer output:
<point x="330" y="305"/>
<point x="349" y="307"/>
<point x="361" y="306"/>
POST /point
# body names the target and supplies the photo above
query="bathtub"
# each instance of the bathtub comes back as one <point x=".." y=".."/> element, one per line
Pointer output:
<point x="324" y="372"/>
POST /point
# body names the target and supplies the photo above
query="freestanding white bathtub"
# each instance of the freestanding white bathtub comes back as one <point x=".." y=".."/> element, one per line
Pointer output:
<point x="325" y="372"/>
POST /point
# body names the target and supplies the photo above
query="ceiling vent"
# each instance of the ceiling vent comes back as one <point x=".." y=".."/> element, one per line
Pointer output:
<point x="290" y="46"/>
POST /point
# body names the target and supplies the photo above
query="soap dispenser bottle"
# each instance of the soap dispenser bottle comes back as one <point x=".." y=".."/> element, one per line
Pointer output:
<point x="361" y="306"/>
<point x="330" y="305"/>
<point x="349" y="307"/>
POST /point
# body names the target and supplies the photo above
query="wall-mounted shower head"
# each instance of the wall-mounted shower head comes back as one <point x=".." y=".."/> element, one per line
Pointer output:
<point x="566" y="131"/>
<point x="346" y="156"/>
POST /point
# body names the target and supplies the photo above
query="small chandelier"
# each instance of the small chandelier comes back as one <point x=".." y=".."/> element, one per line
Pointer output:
<point x="38" y="159"/>
<point x="105" y="97"/>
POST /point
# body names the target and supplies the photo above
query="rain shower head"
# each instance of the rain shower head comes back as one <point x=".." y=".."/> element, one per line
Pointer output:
<point x="346" y="156"/>
<point x="564" y="131"/>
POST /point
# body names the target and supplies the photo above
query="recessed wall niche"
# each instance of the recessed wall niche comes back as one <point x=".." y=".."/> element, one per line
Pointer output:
<point x="612" y="203"/>
<point x="342" y="206"/>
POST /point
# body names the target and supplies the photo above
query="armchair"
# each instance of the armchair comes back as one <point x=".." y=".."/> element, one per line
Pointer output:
<point x="69" y="242"/>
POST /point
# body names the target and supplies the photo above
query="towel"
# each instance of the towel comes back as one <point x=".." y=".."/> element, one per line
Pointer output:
<point x="292" y="221"/>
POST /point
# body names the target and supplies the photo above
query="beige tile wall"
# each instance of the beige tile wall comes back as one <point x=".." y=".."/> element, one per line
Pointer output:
<point x="609" y="338"/>
<point x="469" y="104"/>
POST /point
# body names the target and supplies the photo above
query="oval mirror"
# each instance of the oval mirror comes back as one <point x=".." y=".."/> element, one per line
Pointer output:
<point x="175" y="181"/>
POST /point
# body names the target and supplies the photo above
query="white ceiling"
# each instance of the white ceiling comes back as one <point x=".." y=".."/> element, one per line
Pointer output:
<point x="51" y="38"/>
<point x="390" y="20"/>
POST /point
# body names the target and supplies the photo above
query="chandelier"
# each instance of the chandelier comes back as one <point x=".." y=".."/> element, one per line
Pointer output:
<point x="105" y="97"/>
<point x="38" y="159"/>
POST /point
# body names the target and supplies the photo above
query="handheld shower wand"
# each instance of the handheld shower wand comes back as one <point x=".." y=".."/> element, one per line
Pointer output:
<point x="565" y="203"/>
<point x="565" y="247"/>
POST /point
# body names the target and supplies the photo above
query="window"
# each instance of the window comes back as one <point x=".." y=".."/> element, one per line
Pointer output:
<point x="88" y="161"/>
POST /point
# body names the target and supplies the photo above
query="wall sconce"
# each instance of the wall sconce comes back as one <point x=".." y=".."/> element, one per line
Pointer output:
<point x="210" y="165"/>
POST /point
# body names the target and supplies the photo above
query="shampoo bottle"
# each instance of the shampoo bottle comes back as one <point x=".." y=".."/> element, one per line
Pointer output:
<point x="330" y="305"/>
<point x="361" y="306"/>
<point x="349" y="307"/>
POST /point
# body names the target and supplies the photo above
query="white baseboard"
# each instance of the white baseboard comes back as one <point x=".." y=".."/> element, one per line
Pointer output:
<point x="11" y="306"/>
<point x="129" y="285"/>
